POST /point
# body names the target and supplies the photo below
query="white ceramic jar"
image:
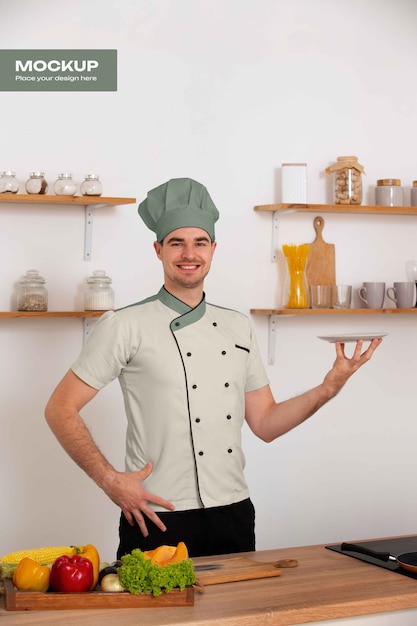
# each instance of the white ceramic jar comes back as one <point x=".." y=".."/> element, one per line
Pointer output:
<point x="388" y="192"/>
<point x="294" y="183"/>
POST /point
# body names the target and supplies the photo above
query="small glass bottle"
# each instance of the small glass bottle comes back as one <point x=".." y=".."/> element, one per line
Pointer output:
<point x="8" y="182"/>
<point x="388" y="192"/>
<point x="414" y="193"/>
<point x="36" y="183"/>
<point x="347" y="180"/>
<point x="98" y="294"/>
<point x="64" y="185"/>
<point x="91" y="185"/>
<point x="32" y="294"/>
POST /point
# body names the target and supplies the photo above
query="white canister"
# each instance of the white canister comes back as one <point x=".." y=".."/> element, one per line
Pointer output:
<point x="294" y="183"/>
<point x="388" y="192"/>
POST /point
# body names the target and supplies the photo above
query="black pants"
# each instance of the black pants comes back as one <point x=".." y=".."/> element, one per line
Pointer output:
<point x="217" y="530"/>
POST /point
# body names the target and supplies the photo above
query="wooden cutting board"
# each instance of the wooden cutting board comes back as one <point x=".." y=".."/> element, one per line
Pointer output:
<point x="232" y="570"/>
<point x="16" y="600"/>
<point x="241" y="568"/>
<point x="321" y="264"/>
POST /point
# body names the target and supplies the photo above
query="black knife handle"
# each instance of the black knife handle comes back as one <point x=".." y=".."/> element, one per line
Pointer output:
<point x="353" y="547"/>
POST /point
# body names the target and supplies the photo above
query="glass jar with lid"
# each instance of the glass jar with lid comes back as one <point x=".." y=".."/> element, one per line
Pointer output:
<point x="36" y="183"/>
<point x="8" y="182"/>
<point x="32" y="294"/>
<point x="388" y="192"/>
<point x="98" y="293"/>
<point x="347" y="172"/>
<point x="91" y="185"/>
<point x="65" y="185"/>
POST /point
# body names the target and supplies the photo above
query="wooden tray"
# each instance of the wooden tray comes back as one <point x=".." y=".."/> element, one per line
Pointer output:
<point x="241" y="568"/>
<point x="38" y="601"/>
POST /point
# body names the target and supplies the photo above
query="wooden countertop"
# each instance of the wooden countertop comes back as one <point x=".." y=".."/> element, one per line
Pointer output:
<point x="325" y="585"/>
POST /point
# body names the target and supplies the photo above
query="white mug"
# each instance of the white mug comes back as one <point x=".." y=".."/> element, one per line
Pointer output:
<point x="372" y="294"/>
<point x="403" y="294"/>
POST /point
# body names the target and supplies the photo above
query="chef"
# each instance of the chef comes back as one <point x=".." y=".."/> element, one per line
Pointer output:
<point x="190" y="373"/>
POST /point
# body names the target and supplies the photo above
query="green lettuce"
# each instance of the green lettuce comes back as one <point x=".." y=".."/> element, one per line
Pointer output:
<point x="139" y="575"/>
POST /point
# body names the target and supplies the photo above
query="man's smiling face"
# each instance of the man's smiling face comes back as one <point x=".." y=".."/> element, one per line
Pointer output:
<point x="186" y="255"/>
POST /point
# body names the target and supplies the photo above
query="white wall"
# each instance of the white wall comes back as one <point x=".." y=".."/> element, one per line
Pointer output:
<point x="223" y="91"/>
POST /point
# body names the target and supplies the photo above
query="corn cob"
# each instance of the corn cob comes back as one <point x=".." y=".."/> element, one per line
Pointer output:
<point x="40" y="555"/>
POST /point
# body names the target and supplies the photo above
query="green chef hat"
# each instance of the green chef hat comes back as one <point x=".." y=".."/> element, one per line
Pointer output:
<point x="179" y="203"/>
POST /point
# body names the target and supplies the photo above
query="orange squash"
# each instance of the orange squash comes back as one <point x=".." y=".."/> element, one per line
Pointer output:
<point x="180" y="553"/>
<point x="166" y="555"/>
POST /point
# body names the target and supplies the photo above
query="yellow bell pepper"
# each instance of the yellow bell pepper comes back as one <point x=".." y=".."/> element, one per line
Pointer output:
<point x="30" y="575"/>
<point x="90" y="552"/>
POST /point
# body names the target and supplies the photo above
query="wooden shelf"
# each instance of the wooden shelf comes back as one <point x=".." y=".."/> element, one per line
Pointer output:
<point x="275" y="314"/>
<point x="284" y="208"/>
<point x="87" y="317"/>
<point x="332" y="311"/>
<point x="281" y="209"/>
<point x="14" y="198"/>
<point x="89" y="203"/>
<point x="337" y="208"/>
<point x="83" y="314"/>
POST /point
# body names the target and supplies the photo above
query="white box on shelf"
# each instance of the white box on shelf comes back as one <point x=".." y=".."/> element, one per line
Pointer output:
<point x="294" y="183"/>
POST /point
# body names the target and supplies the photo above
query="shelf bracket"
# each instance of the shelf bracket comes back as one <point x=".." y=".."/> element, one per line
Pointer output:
<point x="88" y="323"/>
<point x="275" y="231"/>
<point x="271" y="338"/>
<point x="88" y="230"/>
<point x="272" y="334"/>
<point x="274" y="239"/>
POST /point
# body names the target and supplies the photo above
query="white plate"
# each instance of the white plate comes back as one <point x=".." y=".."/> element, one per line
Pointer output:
<point x="352" y="337"/>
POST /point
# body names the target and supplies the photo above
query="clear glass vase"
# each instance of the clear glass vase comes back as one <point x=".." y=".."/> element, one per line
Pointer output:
<point x="296" y="293"/>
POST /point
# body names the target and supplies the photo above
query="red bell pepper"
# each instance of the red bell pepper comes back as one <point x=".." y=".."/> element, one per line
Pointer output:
<point x="72" y="574"/>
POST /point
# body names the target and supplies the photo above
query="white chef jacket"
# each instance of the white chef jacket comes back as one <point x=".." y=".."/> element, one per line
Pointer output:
<point x="183" y="372"/>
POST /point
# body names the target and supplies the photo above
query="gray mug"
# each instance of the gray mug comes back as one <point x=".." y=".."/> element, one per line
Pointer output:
<point x="372" y="294"/>
<point x="403" y="294"/>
